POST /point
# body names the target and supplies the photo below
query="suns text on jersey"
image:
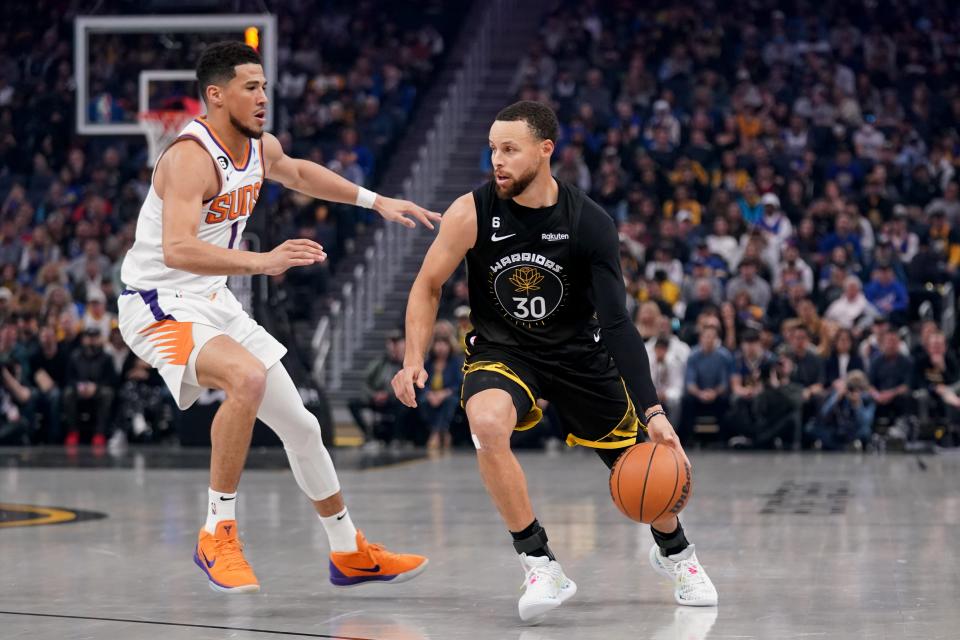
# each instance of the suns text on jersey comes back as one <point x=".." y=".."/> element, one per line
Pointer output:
<point x="235" y="204"/>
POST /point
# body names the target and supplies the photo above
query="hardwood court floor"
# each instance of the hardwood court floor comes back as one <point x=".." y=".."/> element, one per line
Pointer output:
<point x="799" y="546"/>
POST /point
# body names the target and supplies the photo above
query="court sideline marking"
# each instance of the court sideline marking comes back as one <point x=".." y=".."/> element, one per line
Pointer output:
<point x="180" y="624"/>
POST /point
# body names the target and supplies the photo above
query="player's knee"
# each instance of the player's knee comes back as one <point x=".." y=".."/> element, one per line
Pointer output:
<point x="249" y="382"/>
<point x="490" y="430"/>
<point x="303" y="434"/>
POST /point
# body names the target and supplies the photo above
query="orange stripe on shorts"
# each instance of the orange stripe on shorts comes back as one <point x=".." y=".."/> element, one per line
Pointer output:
<point x="173" y="339"/>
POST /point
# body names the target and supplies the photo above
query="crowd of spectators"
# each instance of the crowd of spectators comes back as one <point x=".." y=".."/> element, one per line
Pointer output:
<point x="784" y="178"/>
<point x="348" y="81"/>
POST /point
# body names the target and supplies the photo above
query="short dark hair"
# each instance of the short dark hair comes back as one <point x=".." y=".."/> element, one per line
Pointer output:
<point x="539" y="117"/>
<point x="218" y="62"/>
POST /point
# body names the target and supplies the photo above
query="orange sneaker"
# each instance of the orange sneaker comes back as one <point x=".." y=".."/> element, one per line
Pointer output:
<point x="373" y="563"/>
<point x="221" y="557"/>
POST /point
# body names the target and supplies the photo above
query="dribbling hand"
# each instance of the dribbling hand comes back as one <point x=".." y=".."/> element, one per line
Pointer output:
<point x="403" y="384"/>
<point x="292" y="253"/>
<point x="661" y="431"/>
<point x="397" y="211"/>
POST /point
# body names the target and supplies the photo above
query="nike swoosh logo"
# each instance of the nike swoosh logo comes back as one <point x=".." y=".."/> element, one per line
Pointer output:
<point x="222" y="499"/>
<point x="373" y="570"/>
<point x="209" y="564"/>
<point x="341" y="517"/>
<point x="496" y="238"/>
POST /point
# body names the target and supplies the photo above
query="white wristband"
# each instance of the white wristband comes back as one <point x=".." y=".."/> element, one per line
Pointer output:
<point x="366" y="198"/>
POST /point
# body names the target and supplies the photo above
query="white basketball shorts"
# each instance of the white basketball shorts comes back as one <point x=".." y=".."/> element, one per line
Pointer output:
<point x="167" y="328"/>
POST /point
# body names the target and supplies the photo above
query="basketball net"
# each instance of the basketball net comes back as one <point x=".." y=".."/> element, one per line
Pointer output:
<point x="162" y="126"/>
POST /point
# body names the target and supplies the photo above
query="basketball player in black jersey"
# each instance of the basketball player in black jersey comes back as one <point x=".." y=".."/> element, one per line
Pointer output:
<point x="548" y="307"/>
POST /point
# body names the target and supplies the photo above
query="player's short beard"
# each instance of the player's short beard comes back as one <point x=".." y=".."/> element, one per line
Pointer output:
<point x="518" y="186"/>
<point x="245" y="130"/>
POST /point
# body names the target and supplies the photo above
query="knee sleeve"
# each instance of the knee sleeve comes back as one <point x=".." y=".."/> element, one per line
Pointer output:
<point x="282" y="410"/>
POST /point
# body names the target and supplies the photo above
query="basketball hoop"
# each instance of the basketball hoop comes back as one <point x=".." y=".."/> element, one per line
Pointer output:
<point x="162" y="126"/>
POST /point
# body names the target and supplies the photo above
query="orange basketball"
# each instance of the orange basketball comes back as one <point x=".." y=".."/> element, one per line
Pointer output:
<point x="650" y="481"/>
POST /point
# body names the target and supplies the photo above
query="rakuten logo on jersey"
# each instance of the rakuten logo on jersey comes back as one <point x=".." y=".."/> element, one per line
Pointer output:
<point x="555" y="237"/>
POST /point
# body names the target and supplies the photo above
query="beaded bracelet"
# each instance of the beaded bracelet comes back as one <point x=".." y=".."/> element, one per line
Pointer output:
<point x="653" y="414"/>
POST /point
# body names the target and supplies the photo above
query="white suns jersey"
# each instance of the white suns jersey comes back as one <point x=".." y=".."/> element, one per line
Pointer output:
<point x="222" y="218"/>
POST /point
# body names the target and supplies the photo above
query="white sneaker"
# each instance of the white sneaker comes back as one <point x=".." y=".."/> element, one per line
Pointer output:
<point x="691" y="584"/>
<point x="545" y="587"/>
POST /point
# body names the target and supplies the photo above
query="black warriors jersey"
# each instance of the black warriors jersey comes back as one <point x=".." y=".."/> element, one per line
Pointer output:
<point x="528" y="285"/>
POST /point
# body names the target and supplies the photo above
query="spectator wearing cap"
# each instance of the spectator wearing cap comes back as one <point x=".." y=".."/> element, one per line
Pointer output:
<point x="664" y="120"/>
<point x="888" y="294"/>
<point x="749" y="280"/>
<point x="91" y="380"/>
<point x="96" y="316"/>
<point x="775" y="225"/>
<point x="852" y="309"/>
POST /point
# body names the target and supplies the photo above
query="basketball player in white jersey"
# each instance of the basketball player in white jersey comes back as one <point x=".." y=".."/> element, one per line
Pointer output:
<point x="177" y="313"/>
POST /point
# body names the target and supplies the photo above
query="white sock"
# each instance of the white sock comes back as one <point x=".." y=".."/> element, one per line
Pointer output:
<point x="220" y="507"/>
<point x="340" y="531"/>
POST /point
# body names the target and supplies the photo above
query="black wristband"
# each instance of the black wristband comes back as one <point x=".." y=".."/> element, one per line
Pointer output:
<point x="653" y="414"/>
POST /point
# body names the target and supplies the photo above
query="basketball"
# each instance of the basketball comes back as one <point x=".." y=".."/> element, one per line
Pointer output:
<point x="650" y="481"/>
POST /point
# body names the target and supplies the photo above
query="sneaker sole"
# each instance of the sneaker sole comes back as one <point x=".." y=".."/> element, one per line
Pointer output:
<point x="536" y="613"/>
<point x="359" y="581"/>
<point x="219" y="588"/>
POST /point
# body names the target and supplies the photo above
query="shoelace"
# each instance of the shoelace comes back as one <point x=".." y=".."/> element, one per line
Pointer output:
<point x="691" y="581"/>
<point x="550" y="571"/>
<point x="231" y="552"/>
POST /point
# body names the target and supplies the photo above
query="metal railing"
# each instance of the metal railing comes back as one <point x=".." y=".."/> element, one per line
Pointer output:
<point x="340" y="333"/>
<point x="426" y="172"/>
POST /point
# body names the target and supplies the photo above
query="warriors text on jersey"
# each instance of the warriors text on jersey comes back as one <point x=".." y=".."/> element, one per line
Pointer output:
<point x="546" y="282"/>
<point x="528" y="283"/>
<point x="222" y="218"/>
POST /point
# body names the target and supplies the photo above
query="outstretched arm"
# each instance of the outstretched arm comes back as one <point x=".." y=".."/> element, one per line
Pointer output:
<point x="319" y="182"/>
<point x="185" y="174"/>
<point x="458" y="233"/>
